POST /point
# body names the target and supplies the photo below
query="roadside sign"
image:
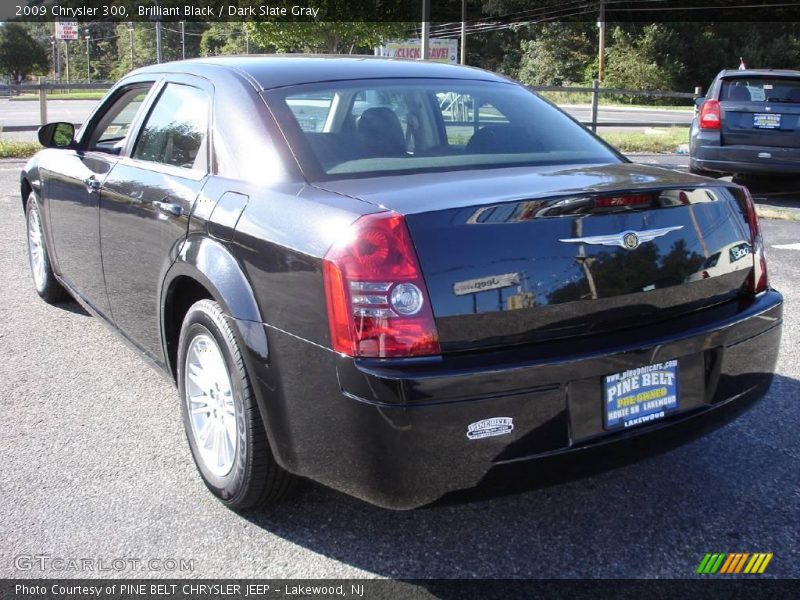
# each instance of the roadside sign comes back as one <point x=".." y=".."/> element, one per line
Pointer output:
<point x="67" y="30"/>
<point x="441" y="50"/>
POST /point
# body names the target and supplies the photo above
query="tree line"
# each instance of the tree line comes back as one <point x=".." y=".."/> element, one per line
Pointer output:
<point x="667" y="56"/>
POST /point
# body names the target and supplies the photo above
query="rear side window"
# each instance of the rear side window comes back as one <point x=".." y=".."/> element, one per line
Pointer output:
<point x="761" y="89"/>
<point x="176" y="129"/>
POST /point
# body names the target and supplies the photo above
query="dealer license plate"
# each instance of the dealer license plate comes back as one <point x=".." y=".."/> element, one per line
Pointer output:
<point x="641" y="395"/>
<point x="766" y="121"/>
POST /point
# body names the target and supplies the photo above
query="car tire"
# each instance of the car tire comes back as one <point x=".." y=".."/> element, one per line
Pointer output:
<point x="217" y="400"/>
<point x="44" y="280"/>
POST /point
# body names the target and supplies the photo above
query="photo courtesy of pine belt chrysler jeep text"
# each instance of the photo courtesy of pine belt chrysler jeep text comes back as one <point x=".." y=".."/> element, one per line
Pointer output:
<point x="400" y="279"/>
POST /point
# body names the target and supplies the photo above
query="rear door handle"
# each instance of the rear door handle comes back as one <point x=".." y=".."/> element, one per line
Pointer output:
<point x="174" y="210"/>
<point x="92" y="184"/>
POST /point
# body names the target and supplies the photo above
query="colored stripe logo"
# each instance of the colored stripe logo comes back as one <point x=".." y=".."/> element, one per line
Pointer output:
<point x="732" y="563"/>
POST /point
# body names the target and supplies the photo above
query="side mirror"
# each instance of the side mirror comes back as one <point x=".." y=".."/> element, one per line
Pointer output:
<point x="699" y="101"/>
<point x="57" y="135"/>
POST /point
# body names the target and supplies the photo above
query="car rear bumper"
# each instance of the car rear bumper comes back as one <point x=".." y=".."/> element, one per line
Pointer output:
<point x="746" y="159"/>
<point x="394" y="433"/>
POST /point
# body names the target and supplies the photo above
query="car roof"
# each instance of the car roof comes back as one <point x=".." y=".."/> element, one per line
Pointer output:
<point x="274" y="71"/>
<point x="759" y="73"/>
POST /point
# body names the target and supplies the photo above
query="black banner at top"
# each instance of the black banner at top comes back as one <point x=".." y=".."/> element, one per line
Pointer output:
<point x="410" y="11"/>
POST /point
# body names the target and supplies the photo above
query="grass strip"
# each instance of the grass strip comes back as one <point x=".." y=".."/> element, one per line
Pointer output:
<point x="18" y="149"/>
<point x="664" y="139"/>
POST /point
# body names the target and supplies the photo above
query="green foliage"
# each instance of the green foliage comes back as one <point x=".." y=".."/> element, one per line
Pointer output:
<point x="659" y="140"/>
<point x="63" y="134"/>
<point x="497" y="51"/>
<point x="332" y="31"/>
<point x="667" y="55"/>
<point x="328" y="37"/>
<point x="229" y="38"/>
<point x="20" y="54"/>
<point x="15" y="149"/>
<point x="558" y="54"/>
<point x="143" y="39"/>
<point x="643" y="62"/>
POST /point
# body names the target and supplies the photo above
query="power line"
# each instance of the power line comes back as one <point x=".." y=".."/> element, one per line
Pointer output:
<point x="525" y="16"/>
<point x="531" y="17"/>
<point x="548" y="8"/>
<point x="486" y="27"/>
<point x="682" y="8"/>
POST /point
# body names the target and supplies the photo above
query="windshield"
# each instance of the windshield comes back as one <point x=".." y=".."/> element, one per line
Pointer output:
<point x="761" y="89"/>
<point x="368" y="127"/>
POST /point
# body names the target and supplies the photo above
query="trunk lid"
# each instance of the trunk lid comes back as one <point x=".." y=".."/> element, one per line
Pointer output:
<point x="520" y="255"/>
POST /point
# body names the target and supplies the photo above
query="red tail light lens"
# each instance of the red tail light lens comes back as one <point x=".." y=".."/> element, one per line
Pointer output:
<point x="626" y="200"/>
<point x="378" y="304"/>
<point x="710" y="117"/>
<point x="758" y="281"/>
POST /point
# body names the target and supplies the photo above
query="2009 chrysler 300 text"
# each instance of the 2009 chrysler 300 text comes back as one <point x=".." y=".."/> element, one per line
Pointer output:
<point x="399" y="279"/>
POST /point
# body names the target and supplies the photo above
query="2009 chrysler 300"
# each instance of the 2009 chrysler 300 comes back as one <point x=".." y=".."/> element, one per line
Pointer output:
<point x="396" y="278"/>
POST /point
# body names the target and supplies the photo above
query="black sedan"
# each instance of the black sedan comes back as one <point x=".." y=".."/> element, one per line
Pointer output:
<point x="399" y="279"/>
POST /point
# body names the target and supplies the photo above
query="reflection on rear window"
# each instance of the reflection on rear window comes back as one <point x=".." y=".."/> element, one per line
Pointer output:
<point x="711" y="261"/>
<point x="385" y="126"/>
<point x="761" y="89"/>
<point x="311" y="110"/>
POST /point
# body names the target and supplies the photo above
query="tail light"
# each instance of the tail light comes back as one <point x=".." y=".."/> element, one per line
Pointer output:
<point x="710" y="115"/>
<point x="758" y="281"/>
<point x="378" y="305"/>
<point x="622" y="201"/>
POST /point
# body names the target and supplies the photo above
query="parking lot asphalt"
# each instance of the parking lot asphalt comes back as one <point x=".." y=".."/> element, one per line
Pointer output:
<point x="95" y="465"/>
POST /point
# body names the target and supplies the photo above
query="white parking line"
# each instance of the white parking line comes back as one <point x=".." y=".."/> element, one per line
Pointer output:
<point x="787" y="246"/>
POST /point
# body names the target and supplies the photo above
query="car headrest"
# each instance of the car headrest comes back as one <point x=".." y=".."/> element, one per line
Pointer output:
<point x="380" y="131"/>
<point x="739" y="93"/>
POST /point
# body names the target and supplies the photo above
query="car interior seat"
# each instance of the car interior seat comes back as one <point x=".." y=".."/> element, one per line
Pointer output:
<point x="739" y="93"/>
<point x="380" y="132"/>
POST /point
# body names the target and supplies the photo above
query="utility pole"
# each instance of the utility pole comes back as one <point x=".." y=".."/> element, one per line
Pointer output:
<point x="183" y="40"/>
<point x="463" y="32"/>
<point x="601" y="59"/>
<point x="246" y="42"/>
<point x="426" y="30"/>
<point x="88" y="61"/>
<point x="158" y="40"/>
<point x="130" y="38"/>
<point x="55" y="60"/>
<point x="66" y="60"/>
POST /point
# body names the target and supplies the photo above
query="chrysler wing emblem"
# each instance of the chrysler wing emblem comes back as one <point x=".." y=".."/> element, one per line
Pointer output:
<point x="629" y="240"/>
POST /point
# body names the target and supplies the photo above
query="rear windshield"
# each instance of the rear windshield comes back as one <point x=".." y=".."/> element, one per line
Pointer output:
<point x="368" y="127"/>
<point x="761" y="89"/>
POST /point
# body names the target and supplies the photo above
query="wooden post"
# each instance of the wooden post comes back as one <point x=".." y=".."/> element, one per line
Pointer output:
<point x="42" y="102"/>
<point x="595" y="101"/>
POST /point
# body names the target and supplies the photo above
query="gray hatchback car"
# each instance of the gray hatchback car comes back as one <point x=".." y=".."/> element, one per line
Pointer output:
<point x="748" y="124"/>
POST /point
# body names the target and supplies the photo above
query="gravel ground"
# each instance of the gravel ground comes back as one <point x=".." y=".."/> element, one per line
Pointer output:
<point x="95" y="465"/>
